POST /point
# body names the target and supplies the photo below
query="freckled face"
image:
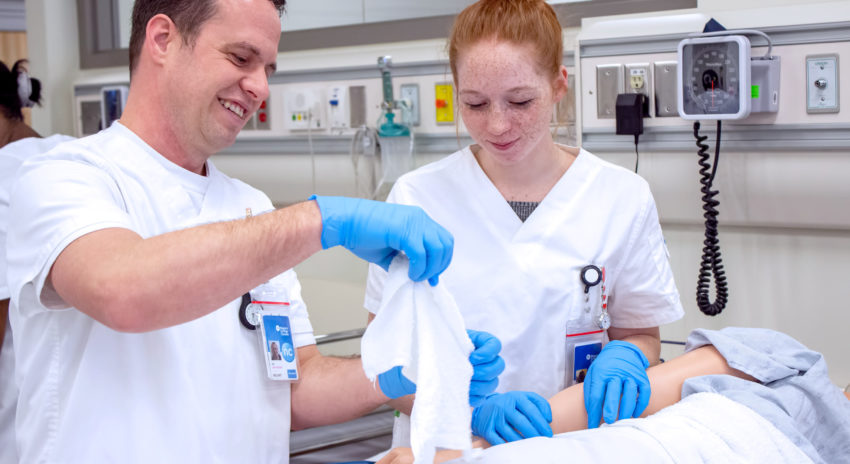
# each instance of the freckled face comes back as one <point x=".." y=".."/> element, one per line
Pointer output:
<point x="505" y="100"/>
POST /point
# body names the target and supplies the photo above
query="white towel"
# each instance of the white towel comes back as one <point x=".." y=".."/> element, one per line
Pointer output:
<point x="703" y="428"/>
<point x="420" y="328"/>
<point x="710" y="428"/>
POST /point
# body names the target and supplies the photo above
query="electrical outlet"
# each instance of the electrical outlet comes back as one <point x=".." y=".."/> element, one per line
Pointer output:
<point x="639" y="80"/>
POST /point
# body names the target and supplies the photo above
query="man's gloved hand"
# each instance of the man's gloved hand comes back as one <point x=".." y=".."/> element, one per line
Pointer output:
<point x="394" y="384"/>
<point x="511" y="416"/>
<point x="377" y="231"/>
<point x="619" y="370"/>
<point x="486" y="365"/>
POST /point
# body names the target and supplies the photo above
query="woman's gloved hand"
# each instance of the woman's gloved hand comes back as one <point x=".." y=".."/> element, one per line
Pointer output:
<point x="486" y="367"/>
<point x="377" y="231"/>
<point x="394" y="384"/>
<point x="511" y="416"/>
<point x="618" y="378"/>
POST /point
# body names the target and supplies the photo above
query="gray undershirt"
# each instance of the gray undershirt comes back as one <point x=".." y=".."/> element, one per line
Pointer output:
<point x="523" y="209"/>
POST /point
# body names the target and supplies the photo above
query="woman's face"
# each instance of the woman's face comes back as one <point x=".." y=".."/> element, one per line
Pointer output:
<point x="506" y="99"/>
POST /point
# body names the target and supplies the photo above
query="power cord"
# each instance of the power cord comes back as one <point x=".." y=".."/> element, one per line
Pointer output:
<point x="711" y="263"/>
<point x="637" y="155"/>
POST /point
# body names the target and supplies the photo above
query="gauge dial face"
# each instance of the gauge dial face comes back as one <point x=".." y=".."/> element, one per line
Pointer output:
<point x="712" y="78"/>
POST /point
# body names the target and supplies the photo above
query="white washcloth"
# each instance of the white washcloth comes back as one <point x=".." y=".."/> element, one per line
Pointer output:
<point x="420" y="328"/>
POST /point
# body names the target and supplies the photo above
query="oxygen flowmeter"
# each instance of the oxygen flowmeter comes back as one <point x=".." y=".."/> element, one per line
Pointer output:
<point x="719" y="79"/>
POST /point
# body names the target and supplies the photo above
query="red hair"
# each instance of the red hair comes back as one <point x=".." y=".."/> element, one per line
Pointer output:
<point x="522" y="22"/>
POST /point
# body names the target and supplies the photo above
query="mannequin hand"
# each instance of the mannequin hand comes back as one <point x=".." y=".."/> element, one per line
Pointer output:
<point x="377" y="231"/>
<point x="394" y="384"/>
<point x="511" y="416"/>
<point x="620" y="369"/>
<point x="486" y="365"/>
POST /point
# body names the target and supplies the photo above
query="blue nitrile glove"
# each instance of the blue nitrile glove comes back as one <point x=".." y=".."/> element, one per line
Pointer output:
<point x="377" y="231"/>
<point x="618" y="377"/>
<point x="486" y="365"/>
<point x="394" y="384"/>
<point x="511" y="416"/>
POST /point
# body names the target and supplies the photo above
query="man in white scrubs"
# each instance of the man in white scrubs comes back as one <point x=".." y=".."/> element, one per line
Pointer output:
<point x="128" y="250"/>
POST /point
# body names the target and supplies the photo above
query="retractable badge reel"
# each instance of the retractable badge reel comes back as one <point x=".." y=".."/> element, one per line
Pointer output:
<point x="267" y="311"/>
<point x="591" y="276"/>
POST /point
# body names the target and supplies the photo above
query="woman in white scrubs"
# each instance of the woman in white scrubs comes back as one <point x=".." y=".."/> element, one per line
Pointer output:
<point x="556" y="251"/>
<point x="18" y="141"/>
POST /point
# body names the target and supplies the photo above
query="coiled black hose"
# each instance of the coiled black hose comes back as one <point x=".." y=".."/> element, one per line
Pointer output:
<point x="711" y="261"/>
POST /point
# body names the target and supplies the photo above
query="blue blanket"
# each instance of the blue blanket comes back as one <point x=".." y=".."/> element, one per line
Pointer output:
<point x="796" y="395"/>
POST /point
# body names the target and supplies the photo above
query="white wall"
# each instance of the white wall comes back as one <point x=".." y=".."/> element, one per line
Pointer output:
<point x="784" y="221"/>
<point x="54" y="59"/>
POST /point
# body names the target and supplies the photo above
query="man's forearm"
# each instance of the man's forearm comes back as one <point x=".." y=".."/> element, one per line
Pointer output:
<point x="332" y="390"/>
<point x="136" y="285"/>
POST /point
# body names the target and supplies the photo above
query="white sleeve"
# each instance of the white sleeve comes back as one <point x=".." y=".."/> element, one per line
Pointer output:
<point x="53" y="203"/>
<point x="8" y="166"/>
<point x="645" y="294"/>
<point x="13" y="155"/>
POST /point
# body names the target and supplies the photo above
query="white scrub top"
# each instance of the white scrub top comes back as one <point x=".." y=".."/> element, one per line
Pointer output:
<point x="520" y="281"/>
<point x="11" y="157"/>
<point x="196" y="392"/>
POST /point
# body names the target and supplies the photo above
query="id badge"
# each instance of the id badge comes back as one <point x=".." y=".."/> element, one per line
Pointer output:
<point x="582" y="349"/>
<point x="275" y="334"/>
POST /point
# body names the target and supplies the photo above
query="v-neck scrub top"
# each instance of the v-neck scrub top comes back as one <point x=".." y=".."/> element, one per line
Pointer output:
<point x="520" y="280"/>
<point x="195" y="392"/>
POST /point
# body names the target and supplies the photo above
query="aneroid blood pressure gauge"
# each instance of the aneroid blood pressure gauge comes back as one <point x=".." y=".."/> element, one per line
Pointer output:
<point x="714" y="77"/>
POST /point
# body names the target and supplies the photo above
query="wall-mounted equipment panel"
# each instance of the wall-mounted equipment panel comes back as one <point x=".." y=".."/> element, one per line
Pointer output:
<point x="444" y="103"/>
<point x="665" y="75"/>
<point x="609" y="83"/>
<point x="303" y="109"/>
<point x="410" y="95"/>
<point x="822" y="84"/>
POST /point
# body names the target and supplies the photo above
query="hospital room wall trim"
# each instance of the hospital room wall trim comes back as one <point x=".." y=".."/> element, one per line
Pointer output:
<point x="338" y="144"/>
<point x="741" y="139"/>
<point x="339" y="73"/>
<point x="779" y="35"/>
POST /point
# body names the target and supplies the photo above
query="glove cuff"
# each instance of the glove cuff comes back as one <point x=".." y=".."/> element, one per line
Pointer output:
<point x="330" y="234"/>
<point x="394" y="384"/>
<point x="633" y="348"/>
